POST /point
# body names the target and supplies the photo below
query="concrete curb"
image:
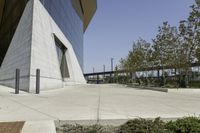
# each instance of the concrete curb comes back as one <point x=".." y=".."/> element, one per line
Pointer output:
<point x="39" y="127"/>
<point x="112" y="122"/>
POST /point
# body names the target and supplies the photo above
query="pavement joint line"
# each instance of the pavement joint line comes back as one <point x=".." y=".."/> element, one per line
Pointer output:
<point x="106" y="110"/>
<point x="31" y="108"/>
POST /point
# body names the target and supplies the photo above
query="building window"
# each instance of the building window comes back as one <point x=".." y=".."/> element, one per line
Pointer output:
<point x="61" y="52"/>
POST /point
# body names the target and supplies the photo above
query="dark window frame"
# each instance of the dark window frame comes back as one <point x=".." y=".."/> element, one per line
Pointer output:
<point x="64" y="69"/>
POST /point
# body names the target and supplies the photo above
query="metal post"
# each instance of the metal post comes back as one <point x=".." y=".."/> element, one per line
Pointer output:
<point x="111" y="70"/>
<point x="17" y="79"/>
<point x="93" y="73"/>
<point x="158" y="74"/>
<point x="104" y="70"/>
<point x="38" y="81"/>
<point x="112" y="64"/>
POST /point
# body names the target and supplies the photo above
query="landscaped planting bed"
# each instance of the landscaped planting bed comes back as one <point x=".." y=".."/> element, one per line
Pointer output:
<point x="183" y="125"/>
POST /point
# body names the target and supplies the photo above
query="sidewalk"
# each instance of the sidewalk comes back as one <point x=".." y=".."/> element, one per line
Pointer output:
<point x="39" y="127"/>
<point x="96" y="102"/>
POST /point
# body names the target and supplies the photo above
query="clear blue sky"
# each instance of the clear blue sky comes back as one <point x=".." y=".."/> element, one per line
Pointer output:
<point x="117" y="23"/>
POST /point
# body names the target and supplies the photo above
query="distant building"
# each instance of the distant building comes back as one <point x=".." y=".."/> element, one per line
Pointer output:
<point x="45" y="35"/>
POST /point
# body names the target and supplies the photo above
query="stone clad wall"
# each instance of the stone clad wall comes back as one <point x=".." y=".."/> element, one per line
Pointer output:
<point x="44" y="54"/>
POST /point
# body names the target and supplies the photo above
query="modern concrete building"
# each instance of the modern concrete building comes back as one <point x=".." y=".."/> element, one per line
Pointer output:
<point x="45" y="35"/>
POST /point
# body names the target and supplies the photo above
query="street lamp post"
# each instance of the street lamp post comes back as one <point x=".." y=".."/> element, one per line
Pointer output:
<point x="104" y="70"/>
<point x="93" y="72"/>
<point x="111" y="69"/>
<point x="112" y="64"/>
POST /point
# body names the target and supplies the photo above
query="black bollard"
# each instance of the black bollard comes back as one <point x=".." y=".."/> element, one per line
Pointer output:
<point x="17" y="79"/>
<point x="38" y="81"/>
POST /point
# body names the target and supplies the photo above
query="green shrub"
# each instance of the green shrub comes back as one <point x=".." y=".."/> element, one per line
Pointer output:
<point x="194" y="84"/>
<point x="68" y="128"/>
<point x="184" y="125"/>
<point x="143" y="126"/>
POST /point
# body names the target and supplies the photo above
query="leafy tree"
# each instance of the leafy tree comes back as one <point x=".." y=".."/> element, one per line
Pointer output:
<point x="190" y="38"/>
<point x="190" y="32"/>
<point x="172" y="47"/>
<point x="138" y="57"/>
<point x="166" y="45"/>
<point x="141" y="52"/>
<point x="166" y="49"/>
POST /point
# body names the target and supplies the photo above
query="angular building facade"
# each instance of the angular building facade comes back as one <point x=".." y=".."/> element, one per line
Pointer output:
<point x="45" y="35"/>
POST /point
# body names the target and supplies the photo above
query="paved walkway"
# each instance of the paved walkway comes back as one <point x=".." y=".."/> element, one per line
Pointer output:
<point x="97" y="102"/>
<point x="39" y="127"/>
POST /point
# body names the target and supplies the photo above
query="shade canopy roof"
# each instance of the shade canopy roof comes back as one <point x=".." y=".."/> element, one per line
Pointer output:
<point x="85" y="9"/>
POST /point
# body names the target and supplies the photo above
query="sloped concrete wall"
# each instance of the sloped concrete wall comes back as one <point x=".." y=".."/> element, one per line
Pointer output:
<point x="33" y="47"/>
<point x="44" y="55"/>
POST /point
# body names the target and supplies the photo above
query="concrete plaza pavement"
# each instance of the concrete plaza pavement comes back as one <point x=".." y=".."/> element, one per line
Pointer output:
<point x="97" y="102"/>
